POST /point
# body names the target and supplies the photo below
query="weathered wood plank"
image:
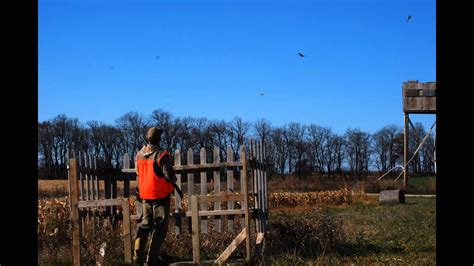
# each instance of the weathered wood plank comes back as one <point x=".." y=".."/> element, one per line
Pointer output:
<point x="107" y="188"/>
<point x="99" y="203"/>
<point x="219" y="212"/>
<point x="204" y="205"/>
<point x="242" y="191"/>
<point x="80" y="165"/>
<point x="178" y="225"/>
<point x="259" y="244"/>
<point x="411" y="93"/>
<point x="258" y="203"/>
<point x="195" y="230"/>
<point x="233" y="246"/>
<point x="221" y="197"/>
<point x="127" y="238"/>
<point x="259" y="186"/>
<point x="96" y="180"/>
<point x="87" y="177"/>
<point x="114" y="192"/>
<point x="126" y="161"/>
<point x="197" y="167"/>
<point x="230" y="188"/>
<point x="246" y="219"/>
<point x="253" y="147"/>
<point x="419" y="97"/>
<point x="213" y="213"/>
<point x="217" y="190"/>
<point x="405" y="150"/>
<point x="76" y="252"/>
<point x="81" y="177"/>
<point x="264" y="186"/>
<point x="208" y="166"/>
<point x="92" y="179"/>
<point x="190" y="159"/>
<point x="260" y="237"/>
<point x="428" y="93"/>
<point x="126" y="178"/>
<point x="424" y="105"/>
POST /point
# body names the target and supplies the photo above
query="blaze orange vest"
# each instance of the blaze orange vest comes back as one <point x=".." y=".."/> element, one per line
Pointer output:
<point x="150" y="185"/>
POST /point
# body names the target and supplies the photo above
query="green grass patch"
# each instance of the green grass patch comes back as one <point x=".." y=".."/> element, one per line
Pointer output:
<point x="379" y="234"/>
<point x="422" y="185"/>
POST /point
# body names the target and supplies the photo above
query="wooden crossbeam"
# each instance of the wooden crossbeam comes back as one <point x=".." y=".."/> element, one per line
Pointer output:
<point x="233" y="246"/>
<point x="191" y="167"/>
<point x="100" y="203"/>
<point x="219" y="212"/>
<point x="221" y="197"/>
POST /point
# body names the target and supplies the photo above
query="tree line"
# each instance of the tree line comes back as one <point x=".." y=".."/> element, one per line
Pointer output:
<point x="291" y="149"/>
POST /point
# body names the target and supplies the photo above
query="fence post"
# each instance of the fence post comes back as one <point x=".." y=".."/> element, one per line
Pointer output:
<point x="177" y="209"/>
<point x="217" y="190"/>
<point x="127" y="240"/>
<point x="126" y="178"/>
<point x="230" y="189"/>
<point x="202" y="155"/>
<point x="245" y="201"/>
<point x="195" y="229"/>
<point x="190" y="184"/>
<point x="76" y="252"/>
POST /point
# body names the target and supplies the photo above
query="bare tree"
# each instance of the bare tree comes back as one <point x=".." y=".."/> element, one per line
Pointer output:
<point x="45" y="149"/>
<point x="184" y="140"/>
<point x="331" y="153"/>
<point x="56" y="138"/>
<point x="357" y="149"/>
<point x="106" y="142"/>
<point x="277" y="137"/>
<point x="219" y="131"/>
<point x="262" y="129"/>
<point x="416" y="135"/>
<point x="292" y="148"/>
<point x="428" y="155"/>
<point x="318" y="138"/>
<point x="388" y="147"/>
<point x="133" y="127"/>
<point x="170" y="127"/>
<point x="238" y="131"/>
<point x="201" y="136"/>
<point x="338" y="144"/>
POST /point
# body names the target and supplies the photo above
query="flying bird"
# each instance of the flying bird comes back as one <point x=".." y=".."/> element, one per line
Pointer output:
<point x="409" y="17"/>
<point x="261" y="94"/>
<point x="301" y="54"/>
<point x="157" y="58"/>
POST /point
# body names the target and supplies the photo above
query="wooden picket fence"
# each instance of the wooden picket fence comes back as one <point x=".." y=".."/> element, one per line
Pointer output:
<point x="244" y="177"/>
<point x="88" y="204"/>
<point x="242" y="198"/>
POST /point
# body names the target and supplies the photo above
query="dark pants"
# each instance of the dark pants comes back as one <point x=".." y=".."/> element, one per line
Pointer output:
<point x="155" y="219"/>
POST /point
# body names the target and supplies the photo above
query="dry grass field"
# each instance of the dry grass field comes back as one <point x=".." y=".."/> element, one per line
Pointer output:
<point x="341" y="226"/>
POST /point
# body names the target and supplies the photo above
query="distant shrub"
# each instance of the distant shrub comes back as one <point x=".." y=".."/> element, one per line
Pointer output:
<point x="307" y="235"/>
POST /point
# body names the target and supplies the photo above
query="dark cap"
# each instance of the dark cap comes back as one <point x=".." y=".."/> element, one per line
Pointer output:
<point x="153" y="135"/>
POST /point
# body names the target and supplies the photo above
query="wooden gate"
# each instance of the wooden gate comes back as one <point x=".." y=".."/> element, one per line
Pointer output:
<point x="86" y="201"/>
<point x="245" y="193"/>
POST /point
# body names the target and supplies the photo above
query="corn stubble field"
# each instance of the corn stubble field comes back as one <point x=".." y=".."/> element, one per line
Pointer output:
<point x="335" y="226"/>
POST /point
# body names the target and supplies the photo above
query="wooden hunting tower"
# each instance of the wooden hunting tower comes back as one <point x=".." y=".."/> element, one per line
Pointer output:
<point x="418" y="98"/>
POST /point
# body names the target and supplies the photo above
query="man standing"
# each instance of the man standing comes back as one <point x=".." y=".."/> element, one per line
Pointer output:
<point x="155" y="183"/>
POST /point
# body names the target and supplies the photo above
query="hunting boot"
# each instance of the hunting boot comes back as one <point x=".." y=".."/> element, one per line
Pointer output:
<point x="139" y="250"/>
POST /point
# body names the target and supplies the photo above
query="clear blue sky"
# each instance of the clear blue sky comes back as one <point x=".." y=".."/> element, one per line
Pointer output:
<point x="101" y="59"/>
